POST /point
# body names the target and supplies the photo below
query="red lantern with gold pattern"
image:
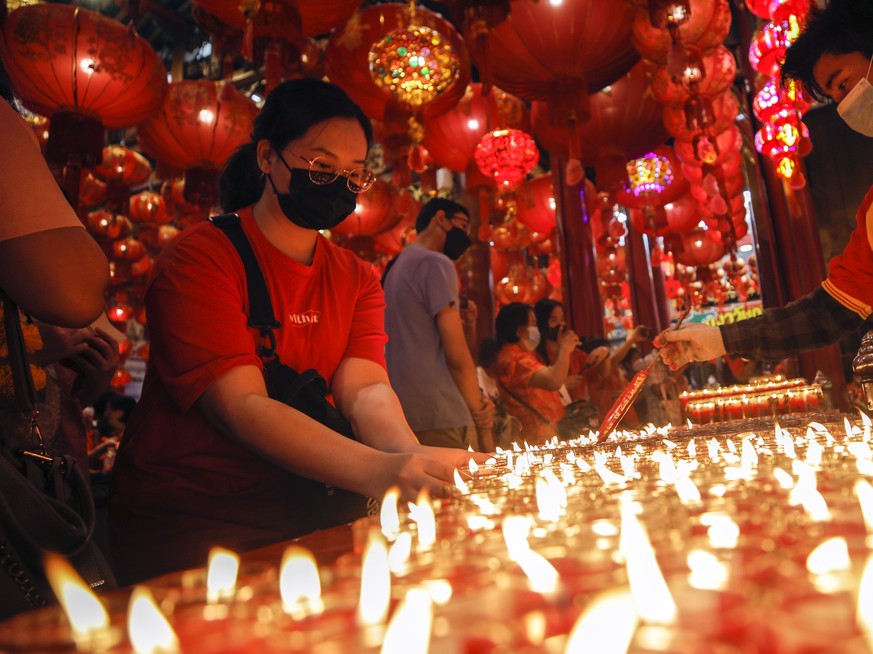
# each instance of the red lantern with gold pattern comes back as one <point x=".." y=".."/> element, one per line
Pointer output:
<point x="374" y="212"/>
<point x="705" y="149"/>
<point x="507" y="155"/>
<point x="707" y="26"/>
<point x="347" y="56"/>
<point x="680" y="216"/>
<point x="199" y="126"/>
<point x="83" y="71"/>
<point x="700" y="113"/>
<point x="768" y="47"/>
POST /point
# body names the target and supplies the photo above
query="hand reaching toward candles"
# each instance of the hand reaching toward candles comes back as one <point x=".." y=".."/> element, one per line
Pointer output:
<point x="690" y="342"/>
<point x="431" y="467"/>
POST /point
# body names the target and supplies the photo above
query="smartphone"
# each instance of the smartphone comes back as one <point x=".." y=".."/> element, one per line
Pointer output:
<point x="464" y="303"/>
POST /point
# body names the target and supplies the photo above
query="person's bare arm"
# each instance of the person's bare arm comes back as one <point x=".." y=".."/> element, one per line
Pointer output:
<point x="57" y="276"/>
<point x="552" y="377"/>
<point x="461" y="366"/>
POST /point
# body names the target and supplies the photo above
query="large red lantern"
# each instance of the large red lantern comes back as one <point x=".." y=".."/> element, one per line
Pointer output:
<point x="624" y="121"/>
<point x="698" y="248"/>
<point x="347" y="56"/>
<point x="680" y="216"/>
<point x="199" y="126"/>
<point x="768" y="47"/>
<point x="452" y="137"/>
<point x="546" y="52"/>
<point x="707" y="26"/>
<point x="374" y="212"/>
<point x="646" y="187"/>
<point x="535" y="203"/>
<point x="122" y="169"/>
<point x="706" y="149"/>
<point x="707" y="73"/>
<point x="715" y="116"/>
<point x="149" y="207"/>
<point x="85" y="72"/>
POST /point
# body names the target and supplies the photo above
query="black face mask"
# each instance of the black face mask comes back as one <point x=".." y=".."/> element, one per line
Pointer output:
<point x="552" y="333"/>
<point x="457" y="243"/>
<point x="315" y="206"/>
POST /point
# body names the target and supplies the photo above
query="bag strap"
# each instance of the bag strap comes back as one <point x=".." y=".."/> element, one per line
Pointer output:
<point x="525" y="404"/>
<point x="261" y="315"/>
<point x="22" y="381"/>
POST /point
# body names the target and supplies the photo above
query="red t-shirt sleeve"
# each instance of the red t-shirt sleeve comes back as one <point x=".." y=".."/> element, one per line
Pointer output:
<point x="367" y="336"/>
<point x="518" y="368"/>
<point x="195" y="314"/>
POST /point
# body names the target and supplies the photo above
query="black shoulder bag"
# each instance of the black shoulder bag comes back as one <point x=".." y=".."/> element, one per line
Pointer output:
<point x="45" y="501"/>
<point x="318" y="505"/>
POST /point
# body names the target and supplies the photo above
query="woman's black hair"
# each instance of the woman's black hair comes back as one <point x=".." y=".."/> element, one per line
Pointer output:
<point x="7" y="91"/>
<point x="543" y="312"/>
<point x="510" y="317"/>
<point x="840" y="27"/>
<point x="290" y="110"/>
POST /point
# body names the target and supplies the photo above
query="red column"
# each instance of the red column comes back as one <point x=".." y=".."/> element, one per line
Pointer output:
<point x="578" y="259"/>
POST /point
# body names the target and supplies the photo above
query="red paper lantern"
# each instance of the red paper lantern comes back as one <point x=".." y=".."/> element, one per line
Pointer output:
<point x="347" y="63"/>
<point x="374" y="212"/>
<point x="452" y="137"/>
<point x="769" y="43"/>
<point x="698" y="249"/>
<point x="122" y="169"/>
<point x="668" y="190"/>
<point x="705" y="149"/>
<point x="625" y="119"/>
<point x="108" y="226"/>
<point x="128" y="249"/>
<point x="316" y="17"/>
<point x="66" y="59"/>
<point x="199" y="126"/>
<point x="709" y="73"/>
<point x="535" y="201"/>
<point x="715" y="116"/>
<point x="84" y="71"/>
<point x="121" y="377"/>
<point x="783" y="10"/>
<point x="773" y="101"/>
<point x="776" y="140"/>
<point x="707" y="26"/>
<point x="92" y="191"/>
<point x="156" y="236"/>
<point x="507" y="155"/>
<point x="761" y="8"/>
<point x="149" y="207"/>
<point x="545" y="51"/>
<point x="679" y="216"/>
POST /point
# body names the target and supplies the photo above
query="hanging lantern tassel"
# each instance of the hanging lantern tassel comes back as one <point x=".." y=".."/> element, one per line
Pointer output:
<point x="249" y="8"/>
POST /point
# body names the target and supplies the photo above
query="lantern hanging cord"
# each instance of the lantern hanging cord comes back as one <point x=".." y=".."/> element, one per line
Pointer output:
<point x="75" y="62"/>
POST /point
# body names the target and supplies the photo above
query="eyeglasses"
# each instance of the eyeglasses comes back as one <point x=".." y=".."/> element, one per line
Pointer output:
<point x="464" y="222"/>
<point x="320" y="172"/>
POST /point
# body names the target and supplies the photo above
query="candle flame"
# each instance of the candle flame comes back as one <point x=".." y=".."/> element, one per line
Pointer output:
<point x="864" y="493"/>
<point x="375" y="582"/>
<point x="515" y="531"/>
<point x="221" y="574"/>
<point x="421" y="513"/>
<point x="864" y="615"/>
<point x="410" y="626"/>
<point x="749" y="458"/>
<point x="785" y="480"/>
<point x="147" y="627"/>
<point x="473" y="467"/>
<point x="399" y="553"/>
<point x="460" y="484"/>
<point x="707" y="572"/>
<point x="651" y="596"/>
<point x="806" y="494"/>
<point x="551" y="496"/>
<point x="722" y="531"/>
<point x="388" y="516"/>
<point x="687" y="490"/>
<point x="606" y="626"/>
<point x="88" y="618"/>
<point x="692" y="449"/>
<point x="830" y="556"/>
<point x="813" y="454"/>
<point x="299" y="584"/>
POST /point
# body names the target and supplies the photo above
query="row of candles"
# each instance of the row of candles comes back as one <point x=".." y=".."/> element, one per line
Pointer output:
<point x="770" y="396"/>
<point x="664" y="540"/>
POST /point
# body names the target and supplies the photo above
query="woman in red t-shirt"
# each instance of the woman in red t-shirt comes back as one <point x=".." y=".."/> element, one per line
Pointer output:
<point x="208" y="457"/>
<point x="528" y="387"/>
<point x="551" y="321"/>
